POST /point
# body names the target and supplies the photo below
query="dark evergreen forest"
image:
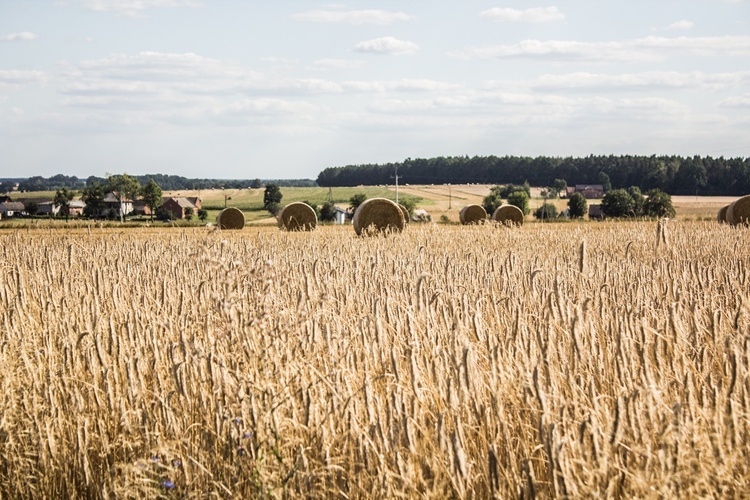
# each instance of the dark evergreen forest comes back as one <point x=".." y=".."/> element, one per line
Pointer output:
<point x="672" y="174"/>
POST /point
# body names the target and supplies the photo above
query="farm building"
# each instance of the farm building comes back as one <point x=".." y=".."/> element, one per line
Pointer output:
<point x="590" y="191"/>
<point x="176" y="207"/>
<point x="12" y="209"/>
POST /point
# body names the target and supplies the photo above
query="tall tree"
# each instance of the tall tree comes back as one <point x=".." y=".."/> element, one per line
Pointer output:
<point x="272" y="195"/>
<point x="577" y="206"/>
<point x="152" y="194"/>
<point x="658" y="204"/>
<point x="125" y="188"/>
<point x="62" y="199"/>
<point x="93" y="196"/>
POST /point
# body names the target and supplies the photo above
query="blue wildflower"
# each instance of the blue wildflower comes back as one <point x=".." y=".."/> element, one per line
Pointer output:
<point x="168" y="484"/>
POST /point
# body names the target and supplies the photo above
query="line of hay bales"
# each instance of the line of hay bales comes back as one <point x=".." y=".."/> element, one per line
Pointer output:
<point x="380" y="214"/>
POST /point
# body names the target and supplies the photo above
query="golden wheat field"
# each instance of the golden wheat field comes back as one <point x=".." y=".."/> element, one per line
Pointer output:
<point x="561" y="360"/>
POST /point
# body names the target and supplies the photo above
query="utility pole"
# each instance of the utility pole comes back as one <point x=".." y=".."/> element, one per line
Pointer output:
<point x="450" y="197"/>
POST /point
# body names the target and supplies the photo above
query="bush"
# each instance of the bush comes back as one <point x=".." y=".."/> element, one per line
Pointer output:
<point x="328" y="212"/>
<point x="618" y="203"/>
<point x="546" y="211"/>
<point x="658" y="204"/>
<point x="519" y="199"/>
<point x="577" y="206"/>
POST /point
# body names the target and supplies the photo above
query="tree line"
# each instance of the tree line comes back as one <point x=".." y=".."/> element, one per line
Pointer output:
<point x="167" y="182"/>
<point x="673" y="174"/>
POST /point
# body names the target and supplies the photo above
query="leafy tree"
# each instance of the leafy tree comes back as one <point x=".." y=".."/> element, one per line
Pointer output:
<point x="124" y="187"/>
<point x="356" y="200"/>
<point x="560" y="185"/>
<point x="93" y="196"/>
<point x="638" y="199"/>
<point x="618" y="203"/>
<point x="189" y="212"/>
<point x="328" y="211"/>
<point x="546" y="211"/>
<point x="7" y="186"/>
<point x="519" y="199"/>
<point x="577" y="206"/>
<point x="31" y="207"/>
<point x="202" y="214"/>
<point x="603" y="179"/>
<point x="63" y="197"/>
<point x="256" y="184"/>
<point x="152" y="195"/>
<point x="658" y="204"/>
<point x="493" y="200"/>
<point x="272" y="195"/>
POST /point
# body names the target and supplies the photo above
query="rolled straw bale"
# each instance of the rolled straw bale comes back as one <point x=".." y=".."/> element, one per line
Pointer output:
<point x="722" y="215"/>
<point x="230" y="218"/>
<point x="739" y="211"/>
<point x="298" y="216"/>
<point x="405" y="212"/>
<point x="380" y="214"/>
<point x="508" y="214"/>
<point x="472" y="214"/>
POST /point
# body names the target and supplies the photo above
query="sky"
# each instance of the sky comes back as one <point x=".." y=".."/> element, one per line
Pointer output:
<point x="276" y="89"/>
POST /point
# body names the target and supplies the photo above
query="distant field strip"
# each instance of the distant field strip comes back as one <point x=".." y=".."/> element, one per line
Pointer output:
<point x="563" y="360"/>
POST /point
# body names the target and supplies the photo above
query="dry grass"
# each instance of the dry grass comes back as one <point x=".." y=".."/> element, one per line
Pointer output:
<point x="440" y="362"/>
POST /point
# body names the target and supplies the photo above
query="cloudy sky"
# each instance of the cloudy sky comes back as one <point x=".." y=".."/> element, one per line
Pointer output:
<point x="285" y="88"/>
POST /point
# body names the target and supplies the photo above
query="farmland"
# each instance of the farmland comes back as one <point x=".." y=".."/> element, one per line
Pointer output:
<point x="578" y="359"/>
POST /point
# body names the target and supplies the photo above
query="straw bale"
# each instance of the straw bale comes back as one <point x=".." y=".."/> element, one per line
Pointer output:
<point x="298" y="216"/>
<point x="472" y="214"/>
<point x="405" y="212"/>
<point x="739" y="211"/>
<point x="378" y="214"/>
<point x="508" y="215"/>
<point x="230" y="218"/>
<point x="722" y="215"/>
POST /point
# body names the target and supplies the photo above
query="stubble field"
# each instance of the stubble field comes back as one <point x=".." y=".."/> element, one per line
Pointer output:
<point x="564" y="360"/>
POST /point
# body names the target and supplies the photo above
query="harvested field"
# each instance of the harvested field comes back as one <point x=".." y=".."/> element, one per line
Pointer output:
<point x="445" y="361"/>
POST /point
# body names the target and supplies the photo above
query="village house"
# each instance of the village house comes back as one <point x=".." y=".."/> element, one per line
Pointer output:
<point x="112" y="203"/>
<point x="48" y="208"/>
<point x="595" y="212"/>
<point x="176" y="206"/>
<point x="590" y="191"/>
<point x="12" y="209"/>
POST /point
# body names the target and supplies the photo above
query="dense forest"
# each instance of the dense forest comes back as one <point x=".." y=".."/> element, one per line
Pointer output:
<point x="672" y="174"/>
<point x="166" y="182"/>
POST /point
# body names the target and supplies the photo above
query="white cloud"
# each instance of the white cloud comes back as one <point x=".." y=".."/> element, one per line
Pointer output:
<point x="681" y="25"/>
<point x="24" y="36"/>
<point x="370" y="16"/>
<point x="9" y="78"/>
<point x="584" y="81"/>
<point x="742" y="101"/>
<point x="405" y="85"/>
<point x="641" y="49"/>
<point x="339" y="63"/>
<point x="387" y="45"/>
<point x="532" y="15"/>
<point x="134" y="8"/>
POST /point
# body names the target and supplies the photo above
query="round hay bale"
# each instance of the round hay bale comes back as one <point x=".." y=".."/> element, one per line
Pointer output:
<point x="298" y="216"/>
<point x="472" y="214"/>
<point x="508" y="214"/>
<point x="739" y="211"/>
<point x="405" y="212"/>
<point x="378" y="214"/>
<point x="722" y="215"/>
<point x="230" y="218"/>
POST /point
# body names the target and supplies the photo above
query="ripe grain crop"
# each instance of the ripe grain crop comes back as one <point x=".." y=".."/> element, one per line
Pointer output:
<point x="444" y="361"/>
